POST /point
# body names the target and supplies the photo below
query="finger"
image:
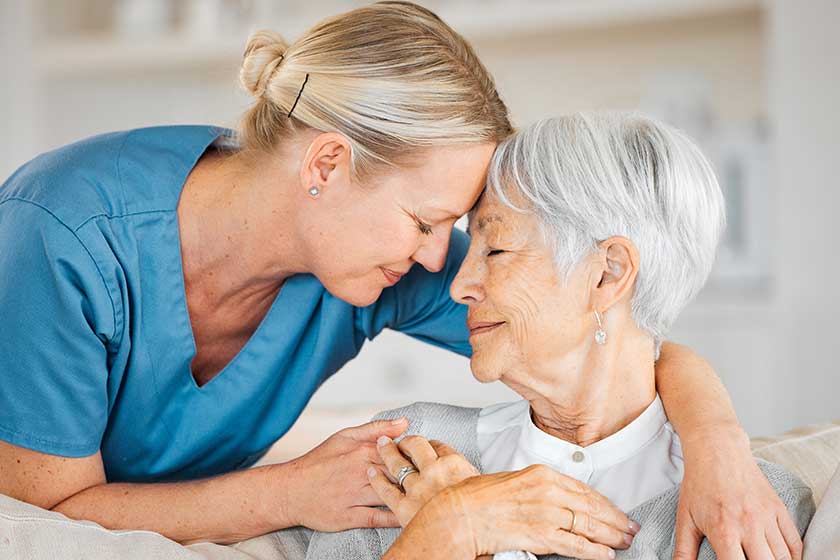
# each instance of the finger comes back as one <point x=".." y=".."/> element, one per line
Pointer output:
<point x="790" y="534"/>
<point x="598" y="507"/>
<point x="442" y="449"/>
<point x="688" y="537"/>
<point x="756" y="548"/>
<point x="776" y="542"/>
<point x="367" y="496"/>
<point x="419" y="451"/>
<point x="577" y="546"/>
<point x="594" y="530"/>
<point x="596" y="504"/>
<point x="394" y="459"/>
<point x="726" y="549"/>
<point x="372" y="517"/>
<point x="376" y="429"/>
<point x="385" y="489"/>
<point x="372" y="453"/>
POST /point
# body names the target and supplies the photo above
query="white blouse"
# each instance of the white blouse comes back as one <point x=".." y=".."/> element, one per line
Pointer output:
<point x="638" y="462"/>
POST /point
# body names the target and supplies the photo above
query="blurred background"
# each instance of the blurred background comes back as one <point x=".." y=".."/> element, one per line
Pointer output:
<point x="755" y="82"/>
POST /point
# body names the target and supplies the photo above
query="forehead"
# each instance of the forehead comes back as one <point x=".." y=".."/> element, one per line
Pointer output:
<point x="448" y="177"/>
<point x="491" y="213"/>
<point x="479" y="223"/>
<point x="464" y="164"/>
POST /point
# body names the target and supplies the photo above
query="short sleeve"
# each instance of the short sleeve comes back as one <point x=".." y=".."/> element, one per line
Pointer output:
<point x="420" y="305"/>
<point x="56" y="317"/>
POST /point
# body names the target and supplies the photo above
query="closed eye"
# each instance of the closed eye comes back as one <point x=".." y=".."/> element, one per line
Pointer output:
<point x="424" y="228"/>
<point x="494" y="252"/>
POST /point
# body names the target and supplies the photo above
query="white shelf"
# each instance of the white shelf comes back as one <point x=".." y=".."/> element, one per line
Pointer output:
<point x="105" y="55"/>
<point x="503" y="16"/>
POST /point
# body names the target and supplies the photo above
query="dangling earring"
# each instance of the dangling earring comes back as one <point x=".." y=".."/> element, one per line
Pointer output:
<point x="314" y="191"/>
<point x="600" y="334"/>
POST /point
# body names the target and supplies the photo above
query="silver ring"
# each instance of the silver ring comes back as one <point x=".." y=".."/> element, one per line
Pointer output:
<point x="404" y="472"/>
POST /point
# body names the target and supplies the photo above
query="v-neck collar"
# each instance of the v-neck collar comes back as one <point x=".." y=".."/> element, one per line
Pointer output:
<point x="215" y="136"/>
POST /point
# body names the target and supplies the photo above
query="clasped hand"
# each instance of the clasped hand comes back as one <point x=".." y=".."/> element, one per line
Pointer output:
<point x="536" y="509"/>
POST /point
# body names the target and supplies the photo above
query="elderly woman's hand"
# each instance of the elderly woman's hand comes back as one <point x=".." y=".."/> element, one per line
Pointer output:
<point x="535" y="509"/>
<point x="727" y="498"/>
<point x="439" y="467"/>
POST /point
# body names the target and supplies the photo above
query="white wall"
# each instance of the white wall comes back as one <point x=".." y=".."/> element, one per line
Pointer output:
<point x="18" y="94"/>
<point x="804" y="48"/>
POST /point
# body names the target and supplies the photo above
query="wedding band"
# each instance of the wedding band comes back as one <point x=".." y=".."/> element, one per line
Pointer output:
<point x="574" y="520"/>
<point x="404" y="472"/>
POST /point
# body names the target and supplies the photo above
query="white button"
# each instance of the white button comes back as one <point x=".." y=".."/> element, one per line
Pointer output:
<point x="578" y="457"/>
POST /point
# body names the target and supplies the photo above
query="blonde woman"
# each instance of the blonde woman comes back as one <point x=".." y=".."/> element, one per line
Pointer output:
<point x="181" y="292"/>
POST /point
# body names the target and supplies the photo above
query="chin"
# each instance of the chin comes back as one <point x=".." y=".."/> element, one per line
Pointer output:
<point x="483" y="371"/>
<point x="358" y="296"/>
<point x="358" y="299"/>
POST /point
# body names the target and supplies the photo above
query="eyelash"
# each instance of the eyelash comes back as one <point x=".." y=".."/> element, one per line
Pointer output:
<point x="424" y="228"/>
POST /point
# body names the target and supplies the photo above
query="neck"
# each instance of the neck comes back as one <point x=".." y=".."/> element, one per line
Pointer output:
<point x="229" y="217"/>
<point x="607" y="389"/>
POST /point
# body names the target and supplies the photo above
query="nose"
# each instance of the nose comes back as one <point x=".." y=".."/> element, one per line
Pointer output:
<point x="467" y="287"/>
<point x="432" y="253"/>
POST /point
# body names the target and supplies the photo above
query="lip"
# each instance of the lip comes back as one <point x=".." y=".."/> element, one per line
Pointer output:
<point x="391" y="276"/>
<point x="480" y="327"/>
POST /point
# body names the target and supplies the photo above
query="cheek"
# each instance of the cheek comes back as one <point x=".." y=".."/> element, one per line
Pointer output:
<point x="365" y="218"/>
<point x="544" y="315"/>
<point x="520" y="296"/>
<point x="376" y="242"/>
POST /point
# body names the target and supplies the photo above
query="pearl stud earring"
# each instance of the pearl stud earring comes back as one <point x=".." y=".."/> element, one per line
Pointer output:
<point x="600" y="334"/>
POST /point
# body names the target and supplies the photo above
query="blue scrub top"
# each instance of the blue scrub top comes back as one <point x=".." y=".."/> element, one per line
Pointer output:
<point x="96" y="342"/>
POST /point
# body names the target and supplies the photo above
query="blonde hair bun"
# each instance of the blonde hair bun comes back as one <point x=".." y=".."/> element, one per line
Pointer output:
<point x="264" y="53"/>
<point x="391" y="77"/>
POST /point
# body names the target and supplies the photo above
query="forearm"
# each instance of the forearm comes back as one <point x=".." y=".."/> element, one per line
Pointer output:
<point x="694" y="398"/>
<point x="223" y="509"/>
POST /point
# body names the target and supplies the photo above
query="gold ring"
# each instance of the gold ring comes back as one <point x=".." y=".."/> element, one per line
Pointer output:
<point x="574" y="520"/>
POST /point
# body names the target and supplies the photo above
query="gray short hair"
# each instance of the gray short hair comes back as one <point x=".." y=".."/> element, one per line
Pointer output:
<point x="591" y="176"/>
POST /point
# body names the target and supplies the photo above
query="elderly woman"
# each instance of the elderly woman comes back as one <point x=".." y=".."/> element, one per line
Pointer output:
<point x="594" y="233"/>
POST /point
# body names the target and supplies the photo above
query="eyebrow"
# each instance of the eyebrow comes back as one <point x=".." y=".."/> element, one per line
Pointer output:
<point x="484" y="222"/>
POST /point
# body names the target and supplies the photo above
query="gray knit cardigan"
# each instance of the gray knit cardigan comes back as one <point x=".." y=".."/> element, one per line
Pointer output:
<point x="457" y="427"/>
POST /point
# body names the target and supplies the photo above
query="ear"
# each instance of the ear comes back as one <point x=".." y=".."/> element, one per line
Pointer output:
<point x="327" y="162"/>
<point x="616" y="272"/>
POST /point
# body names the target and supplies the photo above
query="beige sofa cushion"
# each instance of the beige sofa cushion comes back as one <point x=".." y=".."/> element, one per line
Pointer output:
<point x="812" y="453"/>
<point x="823" y="537"/>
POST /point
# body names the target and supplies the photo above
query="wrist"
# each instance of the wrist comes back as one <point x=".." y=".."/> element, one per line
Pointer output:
<point x="721" y="437"/>
<point x="449" y="512"/>
<point x="431" y="535"/>
<point x="281" y="509"/>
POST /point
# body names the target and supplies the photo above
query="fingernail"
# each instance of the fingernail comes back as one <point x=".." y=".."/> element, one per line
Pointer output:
<point x="384" y="440"/>
<point x="634" y="527"/>
<point x="399" y="420"/>
<point x="371" y="472"/>
<point x="612" y="553"/>
<point x="628" y="540"/>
